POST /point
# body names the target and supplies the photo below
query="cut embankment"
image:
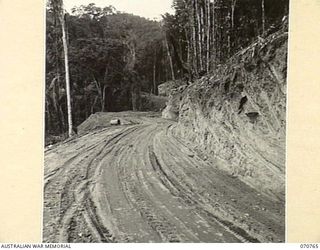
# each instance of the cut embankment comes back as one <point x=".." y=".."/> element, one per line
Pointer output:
<point x="237" y="115"/>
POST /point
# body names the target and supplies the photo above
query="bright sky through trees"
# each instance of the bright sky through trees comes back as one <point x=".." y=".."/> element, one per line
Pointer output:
<point x="146" y="8"/>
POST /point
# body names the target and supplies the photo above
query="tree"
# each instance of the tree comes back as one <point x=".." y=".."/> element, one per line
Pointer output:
<point x="208" y="35"/>
<point x="263" y="16"/>
<point x="170" y="58"/>
<point x="100" y="62"/>
<point x="59" y="13"/>
<point x="54" y="61"/>
<point x="216" y="29"/>
<point x="213" y="38"/>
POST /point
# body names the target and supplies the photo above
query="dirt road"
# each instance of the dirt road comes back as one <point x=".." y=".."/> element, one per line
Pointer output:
<point x="138" y="183"/>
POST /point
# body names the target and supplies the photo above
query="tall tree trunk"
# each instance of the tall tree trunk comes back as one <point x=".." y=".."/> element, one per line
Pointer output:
<point x="135" y="94"/>
<point x="100" y="93"/>
<point x="103" y="101"/>
<point x="66" y="63"/>
<point x="229" y="37"/>
<point x="263" y="16"/>
<point x="86" y="106"/>
<point x="57" y="107"/>
<point x="180" y="50"/>
<point x="194" y="38"/>
<point x="213" y="33"/>
<point x="199" y="34"/>
<point x="190" y="35"/>
<point x="154" y="75"/>
<point x="170" y="58"/>
<point x="188" y="48"/>
<point x="208" y="35"/>
<point x="94" y="104"/>
<point x="233" y="6"/>
<point x="49" y="126"/>
<point x="232" y="36"/>
<point x="165" y="63"/>
<point x="62" y="117"/>
<point x="202" y="35"/>
<point x="135" y="88"/>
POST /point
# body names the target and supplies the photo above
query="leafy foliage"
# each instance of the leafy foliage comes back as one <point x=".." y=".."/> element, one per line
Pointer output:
<point x="112" y="56"/>
<point x="204" y="33"/>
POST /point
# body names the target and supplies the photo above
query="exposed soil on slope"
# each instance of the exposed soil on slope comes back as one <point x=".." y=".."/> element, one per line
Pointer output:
<point x="237" y="115"/>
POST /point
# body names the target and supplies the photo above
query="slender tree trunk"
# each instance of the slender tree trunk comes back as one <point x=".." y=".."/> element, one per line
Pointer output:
<point x="154" y="75"/>
<point x="62" y="118"/>
<point x="194" y="38"/>
<point x="103" y="101"/>
<point x="190" y="38"/>
<point x="48" y="116"/>
<point x="208" y="35"/>
<point x="263" y="16"/>
<point x="86" y="106"/>
<point x="100" y="93"/>
<point x="188" y="48"/>
<point x="94" y="104"/>
<point x="57" y="107"/>
<point x="135" y="88"/>
<point x="180" y="50"/>
<point x="135" y="93"/>
<point x="105" y="85"/>
<point x="199" y="34"/>
<point x="170" y="58"/>
<point x="66" y="63"/>
<point x="229" y="37"/>
<point x="213" y="33"/>
<point x="165" y="64"/>
<point x="202" y="35"/>
<point x="233" y="6"/>
<point x="232" y="36"/>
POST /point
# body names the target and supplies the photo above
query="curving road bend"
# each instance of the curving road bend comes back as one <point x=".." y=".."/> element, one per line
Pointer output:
<point x="139" y="183"/>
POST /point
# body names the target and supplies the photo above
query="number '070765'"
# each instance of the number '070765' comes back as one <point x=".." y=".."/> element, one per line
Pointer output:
<point x="309" y="246"/>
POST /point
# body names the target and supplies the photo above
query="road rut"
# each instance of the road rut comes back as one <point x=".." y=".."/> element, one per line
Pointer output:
<point x="139" y="183"/>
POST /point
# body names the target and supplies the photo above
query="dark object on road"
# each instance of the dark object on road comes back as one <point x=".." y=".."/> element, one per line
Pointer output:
<point x="115" y="122"/>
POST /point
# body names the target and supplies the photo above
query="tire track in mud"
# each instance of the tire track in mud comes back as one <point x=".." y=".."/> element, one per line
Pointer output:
<point x="59" y="170"/>
<point x="74" y="192"/>
<point x="144" y="193"/>
<point x="93" y="217"/>
<point x="102" y="234"/>
<point x="191" y="190"/>
<point x="256" y="227"/>
<point x="177" y="190"/>
<point x="135" y="196"/>
<point x="138" y="184"/>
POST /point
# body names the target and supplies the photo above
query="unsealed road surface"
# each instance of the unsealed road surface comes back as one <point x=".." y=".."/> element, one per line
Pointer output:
<point x="139" y="183"/>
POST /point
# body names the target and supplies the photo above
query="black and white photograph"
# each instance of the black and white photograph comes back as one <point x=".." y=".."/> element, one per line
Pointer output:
<point x="165" y="121"/>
